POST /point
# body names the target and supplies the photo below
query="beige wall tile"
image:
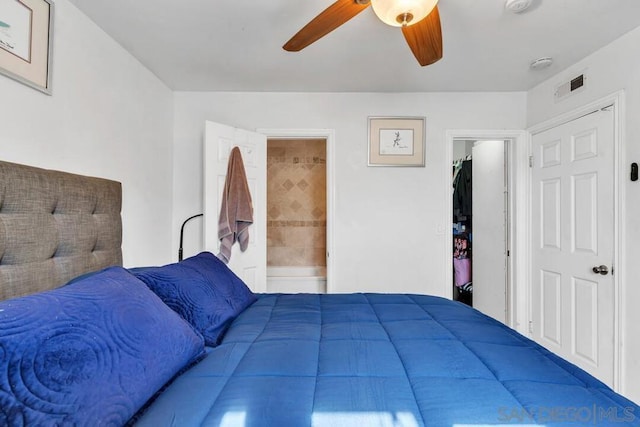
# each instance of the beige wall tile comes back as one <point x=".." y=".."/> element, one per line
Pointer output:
<point x="296" y="199"/>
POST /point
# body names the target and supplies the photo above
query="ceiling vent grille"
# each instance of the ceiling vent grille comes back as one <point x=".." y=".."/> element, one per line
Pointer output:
<point x="570" y="87"/>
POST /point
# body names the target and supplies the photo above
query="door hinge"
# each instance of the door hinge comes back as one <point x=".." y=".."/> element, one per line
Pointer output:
<point x="530" y="326"/>
<point x="530" y="161"/>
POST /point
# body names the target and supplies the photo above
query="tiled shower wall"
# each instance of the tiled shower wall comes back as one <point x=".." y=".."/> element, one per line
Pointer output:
<point x="296" y="202"/>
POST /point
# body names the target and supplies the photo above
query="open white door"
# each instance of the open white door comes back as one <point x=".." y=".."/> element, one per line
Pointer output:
<point x="572" y="236"/>
<point x="489" y="229"/>
<point x="250" y="265"/>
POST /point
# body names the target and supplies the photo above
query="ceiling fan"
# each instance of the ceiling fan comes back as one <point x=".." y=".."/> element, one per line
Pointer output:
<point x="419" y="20"/>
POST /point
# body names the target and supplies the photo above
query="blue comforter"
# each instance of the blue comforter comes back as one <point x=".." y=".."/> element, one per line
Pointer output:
<point x="381" y="360"/>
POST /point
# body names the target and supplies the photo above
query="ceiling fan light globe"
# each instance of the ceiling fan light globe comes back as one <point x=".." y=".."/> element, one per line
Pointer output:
<point x="394" y="12"/>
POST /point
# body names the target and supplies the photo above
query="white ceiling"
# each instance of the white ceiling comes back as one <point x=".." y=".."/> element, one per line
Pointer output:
<point x="236" y="45"/>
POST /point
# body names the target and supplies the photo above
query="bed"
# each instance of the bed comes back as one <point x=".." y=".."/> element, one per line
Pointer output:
<point x="84" y="341"/>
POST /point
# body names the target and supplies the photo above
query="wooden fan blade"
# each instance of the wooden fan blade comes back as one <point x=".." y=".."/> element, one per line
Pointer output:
<point x="331" y="18"/>
<point x="425" y="38"/>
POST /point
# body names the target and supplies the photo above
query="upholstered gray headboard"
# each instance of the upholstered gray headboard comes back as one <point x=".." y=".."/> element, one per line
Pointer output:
<point x="55" y="226"/>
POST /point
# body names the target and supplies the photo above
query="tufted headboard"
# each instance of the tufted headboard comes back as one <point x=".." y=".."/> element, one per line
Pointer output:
<point x="55" y="226"/>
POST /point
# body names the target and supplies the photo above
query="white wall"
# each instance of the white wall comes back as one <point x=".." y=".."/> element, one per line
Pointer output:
<point x="108" y="117"/>
<point x="390" y="223"/>
<point x="613" y="68"/>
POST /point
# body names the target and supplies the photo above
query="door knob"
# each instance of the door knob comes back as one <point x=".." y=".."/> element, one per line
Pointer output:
<point x="602" y="269"/>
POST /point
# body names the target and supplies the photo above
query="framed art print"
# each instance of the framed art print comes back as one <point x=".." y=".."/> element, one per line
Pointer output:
<point x="396" y="141"/>
<point x="26" y="31"/>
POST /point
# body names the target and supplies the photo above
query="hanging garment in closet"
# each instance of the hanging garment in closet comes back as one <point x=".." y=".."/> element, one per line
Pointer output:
<point x="462" y="190"/>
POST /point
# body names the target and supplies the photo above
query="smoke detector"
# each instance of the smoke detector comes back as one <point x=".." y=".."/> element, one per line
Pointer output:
<point x="541" y="63"/>
<point x="517" y="6"/>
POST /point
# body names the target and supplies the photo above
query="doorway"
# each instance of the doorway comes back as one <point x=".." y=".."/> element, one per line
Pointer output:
<point x="296" y="215"/>
<point x="518" y="219"/>
<point x="328" y="135"/>
<point x="251" y="264"/>
<point x="480" y="225"/>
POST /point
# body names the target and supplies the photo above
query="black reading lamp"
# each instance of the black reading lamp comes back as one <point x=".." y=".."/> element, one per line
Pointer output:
<point x="182" y="234"/>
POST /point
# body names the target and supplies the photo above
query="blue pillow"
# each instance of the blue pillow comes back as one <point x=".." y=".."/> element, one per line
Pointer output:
<point x="202" y="290"/>
<point x="91" y="352"/>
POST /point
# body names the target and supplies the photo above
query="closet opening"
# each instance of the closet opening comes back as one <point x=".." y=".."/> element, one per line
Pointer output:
<point x="297" y="215"/>
<point x="480" y="221"/>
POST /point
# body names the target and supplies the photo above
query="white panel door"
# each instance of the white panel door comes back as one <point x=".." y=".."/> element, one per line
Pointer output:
<point x="489" y="243"/>
<point x="572" y="232"/>
<point x="250" y="265"/>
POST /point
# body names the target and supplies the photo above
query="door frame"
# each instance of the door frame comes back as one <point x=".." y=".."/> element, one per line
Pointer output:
<point x="518" y="233"/>
<point x="329" y="136"/>
<point x="616" y="99"/>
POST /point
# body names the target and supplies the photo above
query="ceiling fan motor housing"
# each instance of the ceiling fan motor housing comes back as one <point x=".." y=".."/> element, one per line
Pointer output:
<point x="400" y="13"/>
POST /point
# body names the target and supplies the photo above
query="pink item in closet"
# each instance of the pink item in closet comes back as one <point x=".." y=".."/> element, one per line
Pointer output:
<point x="462" y="270"/>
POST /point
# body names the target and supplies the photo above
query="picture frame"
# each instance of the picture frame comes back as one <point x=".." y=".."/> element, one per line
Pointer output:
<point x="26" y="42"/>
<point x="397" y="141"/>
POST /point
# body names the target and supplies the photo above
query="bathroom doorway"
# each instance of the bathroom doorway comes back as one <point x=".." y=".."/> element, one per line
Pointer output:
<point x="297" y="215"/>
